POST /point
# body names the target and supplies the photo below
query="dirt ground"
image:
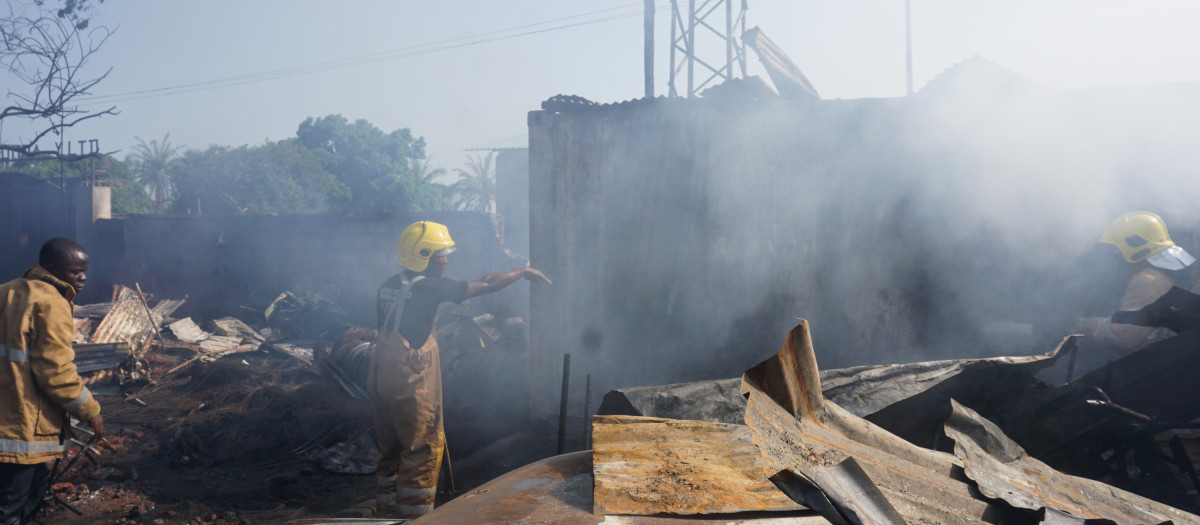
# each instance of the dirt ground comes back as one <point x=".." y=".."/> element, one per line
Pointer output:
<point x="228" y="442"/>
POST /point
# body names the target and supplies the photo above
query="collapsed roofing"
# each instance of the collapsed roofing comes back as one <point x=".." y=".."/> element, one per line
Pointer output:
<point x="826" y="460"/>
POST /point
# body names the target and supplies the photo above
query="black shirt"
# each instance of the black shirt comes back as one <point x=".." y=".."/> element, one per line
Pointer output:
<point x="416" y="323"/>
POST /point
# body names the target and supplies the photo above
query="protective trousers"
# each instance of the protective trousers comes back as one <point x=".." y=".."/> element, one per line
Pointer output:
<point x="21" y="490"/>
<point x="406" y="403"/>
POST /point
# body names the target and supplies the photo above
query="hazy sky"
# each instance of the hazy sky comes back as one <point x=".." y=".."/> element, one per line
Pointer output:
<point x="477" y="95"/>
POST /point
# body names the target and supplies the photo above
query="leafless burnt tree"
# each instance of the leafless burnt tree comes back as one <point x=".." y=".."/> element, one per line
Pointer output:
<point x="46" y="53"/>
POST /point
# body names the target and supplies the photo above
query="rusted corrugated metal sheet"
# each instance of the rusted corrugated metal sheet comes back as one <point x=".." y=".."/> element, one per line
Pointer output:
<point x="650" y="465"/>
<point x="853" y="471"/>
<point x="166" y="307"/>
<point x="97" y="310"/>
<point x="93" y="357"/>
<point x="234" y="327"/>
<point x="1003" y="470"/>
<point x="186" y="330"/>
<point x="127" y="321"/>
<point x="218" y="346"/>
<point x="911" y="400"/>
<point x="841" y="465"/>
<point x="558" y="491"/>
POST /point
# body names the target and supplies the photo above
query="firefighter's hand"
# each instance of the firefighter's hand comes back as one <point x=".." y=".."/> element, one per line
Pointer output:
<point x="532" y="274"/>
<point x="97" y="424"/>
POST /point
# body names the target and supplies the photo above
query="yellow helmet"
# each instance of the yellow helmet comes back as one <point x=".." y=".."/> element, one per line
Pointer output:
<point x="1138" y="235"/>
<point x="423" y="240"/>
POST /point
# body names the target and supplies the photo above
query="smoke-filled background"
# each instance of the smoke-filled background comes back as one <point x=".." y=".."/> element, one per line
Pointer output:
<point x="959" y="222"/>
<point x="685" y="237"/>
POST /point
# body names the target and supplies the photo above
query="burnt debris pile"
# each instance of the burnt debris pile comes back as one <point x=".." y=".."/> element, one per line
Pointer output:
<point x="259" y="417"/>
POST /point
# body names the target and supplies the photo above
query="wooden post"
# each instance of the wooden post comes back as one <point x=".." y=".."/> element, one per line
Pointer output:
<point x="562" y="405"/>
<point x="587" y="414"/>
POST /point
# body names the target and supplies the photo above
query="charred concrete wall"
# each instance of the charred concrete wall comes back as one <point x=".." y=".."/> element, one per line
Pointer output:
<point x="34" y="210"/>
<point x="685" y="236"/>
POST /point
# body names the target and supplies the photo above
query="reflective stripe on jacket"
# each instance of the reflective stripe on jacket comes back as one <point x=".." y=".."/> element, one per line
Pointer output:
<point x="38" y="380"/>
<point x="1145" y="287"/>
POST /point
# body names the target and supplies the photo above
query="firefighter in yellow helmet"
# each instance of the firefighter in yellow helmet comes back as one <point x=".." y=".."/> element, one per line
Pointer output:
<point x="1157" y="265"/>
<point x="405" y="374"/>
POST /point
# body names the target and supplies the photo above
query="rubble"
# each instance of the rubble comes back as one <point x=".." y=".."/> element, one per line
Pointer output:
<point x="784" y="442"/>
<point x="910" y="400"/>
<point x="847" y="468"/>
<point x="126" y="321"/>
<point x="185" y="330"/>
<point x="1002" y="470"/>
<point x="91" y="357"/>
<point x="822" y="457"/>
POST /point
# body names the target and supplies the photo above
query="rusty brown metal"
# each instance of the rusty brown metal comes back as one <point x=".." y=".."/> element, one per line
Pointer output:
<point x="645" y="465"/>
<point x="126" y="321"/>
<point x="1003" y="470"/>
<point x="558" y="491"/>
<point x="844" y="466"/>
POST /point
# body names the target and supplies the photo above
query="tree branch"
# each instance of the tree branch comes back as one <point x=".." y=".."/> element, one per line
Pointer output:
<point x="49" y="53"/>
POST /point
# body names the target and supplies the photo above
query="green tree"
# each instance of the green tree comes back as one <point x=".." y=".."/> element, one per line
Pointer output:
<point x="428" y="176"/>
<point x="476" y="186"/>
<point x="275" y="177"/>
<point x="128" y="195"/>
<point x="151" y="162"/>
<point x="374" y="165"/>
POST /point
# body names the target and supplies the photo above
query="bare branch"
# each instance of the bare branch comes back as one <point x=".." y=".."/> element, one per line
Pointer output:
<point x="48" y="52"/>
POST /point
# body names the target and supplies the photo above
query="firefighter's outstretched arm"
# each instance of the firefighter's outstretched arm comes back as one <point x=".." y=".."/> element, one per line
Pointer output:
<point x="496" y="281"/>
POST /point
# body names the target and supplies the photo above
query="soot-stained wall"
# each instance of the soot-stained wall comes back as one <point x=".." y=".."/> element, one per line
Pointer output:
<point x="686" y="236"/>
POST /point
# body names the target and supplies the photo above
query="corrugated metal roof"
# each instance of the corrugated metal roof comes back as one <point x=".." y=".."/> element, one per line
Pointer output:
<point x="102" y="356"/>
<point x="558" y="491"/>
<point x="127" y="321"/>
<point x="855" y="472"/>
<point x="1003" y="470"/>
<point x="843" y="466"/>
<point x="646" y="465"/>
<point x="186" y="330"/>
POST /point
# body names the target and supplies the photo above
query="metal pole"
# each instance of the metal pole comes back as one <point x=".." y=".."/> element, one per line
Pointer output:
<point x="908" y="44"/>
<point x="671" y="92"/>
<point x="648" y="49"/>
<point x="741" y="43"/>
<point x="562" y="405"/>
<point x="587" y="414"/>
<point x="728" y="39"/>
<point x="691" y="45"/>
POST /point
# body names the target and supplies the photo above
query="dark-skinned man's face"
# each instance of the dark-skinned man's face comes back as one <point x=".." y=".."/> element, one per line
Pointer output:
<point x="72" y="269"/>
<point x="437" y="266"/>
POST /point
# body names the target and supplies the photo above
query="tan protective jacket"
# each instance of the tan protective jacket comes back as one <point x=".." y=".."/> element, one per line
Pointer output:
<point x="1145" y="287"/>
<point x="38" y="381"/>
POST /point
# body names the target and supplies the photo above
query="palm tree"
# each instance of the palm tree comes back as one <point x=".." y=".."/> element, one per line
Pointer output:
<point x="151" y="162"/>
<point x="428" y="174"/>
<point x="476" y="185"/>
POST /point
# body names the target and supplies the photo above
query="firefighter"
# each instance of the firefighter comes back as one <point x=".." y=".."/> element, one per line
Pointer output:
<point x="1157" y="264"/>
<point x="38" y="380"/>
<point x="405" y="375"/>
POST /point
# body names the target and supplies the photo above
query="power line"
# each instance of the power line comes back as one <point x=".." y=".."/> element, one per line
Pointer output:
<point x="367" y="59"/>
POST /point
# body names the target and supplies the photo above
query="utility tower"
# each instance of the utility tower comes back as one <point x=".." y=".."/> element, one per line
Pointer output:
<point x="705" y="28"/>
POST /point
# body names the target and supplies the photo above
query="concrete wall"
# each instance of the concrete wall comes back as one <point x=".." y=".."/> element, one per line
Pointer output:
<point x="33" y="211"/>
<point x="512" y="197"/>
<point x="685" y="236"/>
